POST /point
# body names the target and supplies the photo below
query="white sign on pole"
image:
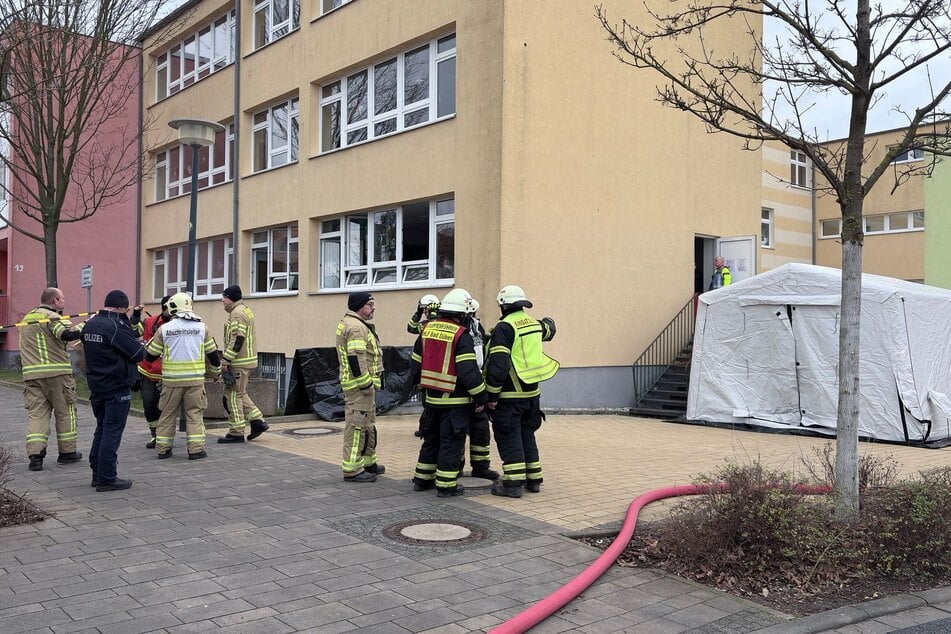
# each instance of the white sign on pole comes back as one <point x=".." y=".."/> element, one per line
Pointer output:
<point x="87" y="276"/>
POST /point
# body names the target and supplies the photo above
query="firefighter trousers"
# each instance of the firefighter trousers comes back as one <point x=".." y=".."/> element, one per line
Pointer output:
<point x="514" y="423"/>
<point x="56" y="396"/>
<point x="444" y="441"/>
<point x="359" y="433"/>
<point x="241" y="408"/>
<point x="194" y="400"/>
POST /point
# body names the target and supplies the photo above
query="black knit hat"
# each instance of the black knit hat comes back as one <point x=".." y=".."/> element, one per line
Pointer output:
<point x="116" y="299"/>
<point x="358" y="300"/>
<point x="233" y="293"/>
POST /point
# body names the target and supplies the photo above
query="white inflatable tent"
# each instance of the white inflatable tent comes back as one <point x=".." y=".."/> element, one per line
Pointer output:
<point x="765" y="353"/>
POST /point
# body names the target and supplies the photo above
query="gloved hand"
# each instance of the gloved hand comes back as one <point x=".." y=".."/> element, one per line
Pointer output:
<point x="136" y="385"/>
<point x="548" y="321"/>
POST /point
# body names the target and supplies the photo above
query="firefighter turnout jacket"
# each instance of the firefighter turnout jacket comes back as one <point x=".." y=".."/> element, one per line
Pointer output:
<point x="444" y="365"/>
<point x="239" y="351"/>
<point x="152" y="370"/>
<point x="516" y="362"/>
<point x="43" y="340"/>
<point x="358" y="351"/>
<point x="183" y="344"/>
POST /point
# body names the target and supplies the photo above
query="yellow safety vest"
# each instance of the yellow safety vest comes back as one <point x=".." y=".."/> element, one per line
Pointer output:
<point x="531" y="364"/>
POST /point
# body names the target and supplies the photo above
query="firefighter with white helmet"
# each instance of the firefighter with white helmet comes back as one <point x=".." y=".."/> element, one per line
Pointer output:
<point x="515" y="366"/>
<point x="444" y="365"/>
<point x="479" y="437"/>
<point x="183" y="344"/>
<point x="426" y="309"/>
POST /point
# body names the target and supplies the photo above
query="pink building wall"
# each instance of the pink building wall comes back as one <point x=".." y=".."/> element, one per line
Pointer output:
<point x="106" y="240"/>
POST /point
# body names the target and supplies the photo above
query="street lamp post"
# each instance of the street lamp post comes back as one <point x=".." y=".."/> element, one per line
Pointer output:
<point x="196" y="133"/>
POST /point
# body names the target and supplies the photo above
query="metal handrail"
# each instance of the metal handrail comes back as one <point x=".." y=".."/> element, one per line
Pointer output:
<point x="663" y="351"/>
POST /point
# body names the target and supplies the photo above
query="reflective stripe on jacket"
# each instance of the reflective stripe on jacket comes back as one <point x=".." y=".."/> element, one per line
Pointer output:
<point x="183" y="345"/>
<point x="43" y="353"/>
<point x="240" y="322"/>
<point x="438" y="362"/>
<point x="358" y="351"/>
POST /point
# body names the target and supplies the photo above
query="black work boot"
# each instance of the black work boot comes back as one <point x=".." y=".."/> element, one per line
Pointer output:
<point x="151" y="443"/>
<point x="67" y="458"/>
<point x="423" y="485"/>
<point x="533" y="486"/>
<point x="448" y="493"/>
<point x="36" y="463"/>
<point x="258" y="427"/>
<point x="485" y="472"/>
<point x="198" y="455"/>
<point x="228" y="438"/>
<point x="363" y="476"/>
<point x="378" y="469"/>
<point x="165" y="454"/>
<point x="506" y="491"/>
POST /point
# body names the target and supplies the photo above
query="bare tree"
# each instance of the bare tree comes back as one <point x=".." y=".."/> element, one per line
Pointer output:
<point x="763" y="89"/>
<point x="70" y="75"/>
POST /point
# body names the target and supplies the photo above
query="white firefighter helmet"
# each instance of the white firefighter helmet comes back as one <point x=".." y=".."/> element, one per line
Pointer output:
<point x="511" y="295"/>
<point x="428" y="299"/>
<point x="472" y="306"/>
<point x="455" y="301"/>
<point x="179" y="303"/>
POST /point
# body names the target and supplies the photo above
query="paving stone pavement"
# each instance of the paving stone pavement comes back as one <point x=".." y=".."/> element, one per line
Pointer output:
<point x="262" y="537"/>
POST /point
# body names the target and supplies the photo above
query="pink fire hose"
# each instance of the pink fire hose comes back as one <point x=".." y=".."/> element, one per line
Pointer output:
<point x="535" y="614"/>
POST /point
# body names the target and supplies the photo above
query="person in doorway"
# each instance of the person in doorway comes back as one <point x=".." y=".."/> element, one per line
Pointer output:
<point x="721" y="274"/>
<point x="361" y="365"/>
<point x="240" y="357"/>
<point x="48" y="383"/>
<point x="112" y="349"/>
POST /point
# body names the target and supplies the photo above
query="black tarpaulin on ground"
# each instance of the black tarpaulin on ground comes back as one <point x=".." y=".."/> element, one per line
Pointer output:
<point x="314" y="385"/>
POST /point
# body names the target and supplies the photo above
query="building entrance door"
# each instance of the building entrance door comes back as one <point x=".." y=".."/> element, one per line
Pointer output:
<point x="739" y="254"/>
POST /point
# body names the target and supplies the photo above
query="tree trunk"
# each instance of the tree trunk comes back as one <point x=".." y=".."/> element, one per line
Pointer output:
<point x="847" y="433"/>
<point x="49" y="251"/>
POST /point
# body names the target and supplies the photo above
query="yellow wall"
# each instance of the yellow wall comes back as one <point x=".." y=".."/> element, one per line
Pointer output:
<point x="792" y="212"/>
<point x="568" y="178"/>
<point x="898" y="255"/>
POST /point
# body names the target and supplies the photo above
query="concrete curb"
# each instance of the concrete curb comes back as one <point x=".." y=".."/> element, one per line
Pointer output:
<point x="860" y="612"/>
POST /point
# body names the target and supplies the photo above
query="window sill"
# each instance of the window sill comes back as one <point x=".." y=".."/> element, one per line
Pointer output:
<point x="195" y="83"/>
<point x="380" y="289"/>
<point x="271" y="43"/>
<point x="203" y="189"/>
<point x="270" y="169"/>
<point x="273" y="294"/>
<point x="383" y="138"/>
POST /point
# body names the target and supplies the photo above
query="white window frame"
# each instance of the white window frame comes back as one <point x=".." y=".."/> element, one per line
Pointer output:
<point x="799" y="173"/>
<point x="915" y="221"/>
<point x="206" y="286"/>
<point x="335" y="95"/>
<point x="337" y="234"/>
<point x="766" y="222"/>
<point x="326" y="6"/>
<point x="221" y="55"/>
<point x="911" y="155"/>
<point x="273" y="31"/>
<point x="279" y="282"/>
<point x="263" y="123"/>
<point x="213" y="174"/>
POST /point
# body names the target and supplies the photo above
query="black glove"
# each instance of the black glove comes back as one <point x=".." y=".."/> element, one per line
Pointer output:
<point x="136" y="385"/>
<point x="548" y="321"/>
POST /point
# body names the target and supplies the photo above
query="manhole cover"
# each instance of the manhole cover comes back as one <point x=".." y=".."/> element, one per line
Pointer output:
<point x="310" y="432"/>
<point x="435" y="531"/>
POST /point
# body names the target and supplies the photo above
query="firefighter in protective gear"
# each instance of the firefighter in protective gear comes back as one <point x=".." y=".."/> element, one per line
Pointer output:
<point x="48" y="383"/>
<point x="150" y="372"/>
<point x="515" y="366"/>
<point x="183" y="344"/>
<point x="240" y="357"/>
<point x="444" y="365"/>
<point x="479" y="436"/>
<point x="425" y="310"/>
<point x="361" y="365"/>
